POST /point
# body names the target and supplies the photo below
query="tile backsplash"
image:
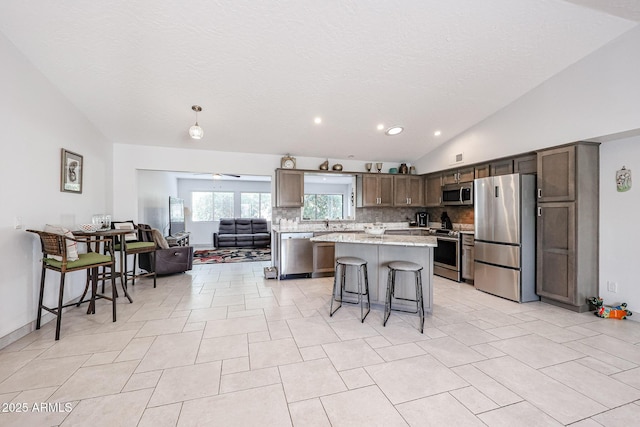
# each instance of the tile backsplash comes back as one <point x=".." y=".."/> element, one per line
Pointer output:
<point x="362" y="214"/>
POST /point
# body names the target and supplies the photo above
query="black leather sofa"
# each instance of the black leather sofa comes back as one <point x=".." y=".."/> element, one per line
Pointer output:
<point x="242" y="232"/>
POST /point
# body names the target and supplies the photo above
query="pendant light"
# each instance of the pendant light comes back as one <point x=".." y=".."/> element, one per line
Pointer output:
<point x="196" y="131"/>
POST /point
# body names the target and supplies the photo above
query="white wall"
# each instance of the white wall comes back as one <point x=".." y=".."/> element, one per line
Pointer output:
<point x="619" y="225"/>
<point x="154" y="189"/>
<point x="598" y="95"/>
<point x="128" y="159"/>
<point x="202" y="232"/>
<point x="36" y="122"/>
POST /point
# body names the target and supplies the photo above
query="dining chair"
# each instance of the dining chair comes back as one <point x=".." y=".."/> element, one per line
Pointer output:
<point x="55" y="257"/>
<point x="133" y="244"/>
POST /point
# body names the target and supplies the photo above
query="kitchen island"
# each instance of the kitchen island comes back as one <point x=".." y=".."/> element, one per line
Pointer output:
<point x="379" y="251"/>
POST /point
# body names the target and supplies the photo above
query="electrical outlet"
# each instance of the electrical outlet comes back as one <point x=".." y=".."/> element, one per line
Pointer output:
<point x="612" y="287"/>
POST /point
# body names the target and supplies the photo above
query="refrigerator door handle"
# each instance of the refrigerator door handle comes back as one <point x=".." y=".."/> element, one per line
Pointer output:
<point x="497" y="191"/>
<point x="539" y="211"/>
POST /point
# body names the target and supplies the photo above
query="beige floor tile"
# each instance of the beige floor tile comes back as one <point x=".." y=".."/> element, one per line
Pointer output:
<point x="205" y="314"/>
<point x="102" y="358"/>
<point x="356" y="378"/>
<point x="251" y="379"/>
<point x="308" y="413"/>
<point x="266" y="302"/>
<point x="361" y="407"/>
<point x="124" y="409"/>
<point x="142" y="381"/>
<point x="89" y="344"/>
<point x="170" y="351"/>
<point x="599" y="387"/>
<point x="161" y="416"/>
<point x="41" y="373"/>
<point x="624" y="347"/>
<point x="225" y="301"/>
<point x="195" y="301"/>
<point x="232" y="366"/>
<point x="243" y="325"/>
<point x="351" y="354"/>
<point x="602" y="354"/>
<point x="273" y="353"/>
<point x="439" y="410"/>
<point x="282" y="312"/>
<point x="10" y="362"/>
<point x="312" y="353"/>
<point x="468" y="334"/>
<point x="626" y="415"/>
<point x="279" y="329"/>
<point x="401" y="351"/>
<point x="377" y="342"/>
<point x="194" y="326"/>
<point x="536" y="351"/>
<point x="259" y="336"/>
<point x="521" y="414"/>
<point x="146" y="313"/>
<point x="186" y="383"/>
<point x="161" y="327"/>
<point x="450" y="351"/>
<point x="487" y="350"/>
<point x="414" y="378"/>
<point x="136" y="349"/>
<point x="489" y="387"/>
<point x="220" y="348"/>
<point x="555" y="399"/>
<point x="399" y="332"/>
<point x="311" y="331"/>
<point x="94" y="381"/>
<point x="473" y="400"/>
<point x="307" y="380"/>
<point x="352" y="329"/>
<point x="242" y="408"/>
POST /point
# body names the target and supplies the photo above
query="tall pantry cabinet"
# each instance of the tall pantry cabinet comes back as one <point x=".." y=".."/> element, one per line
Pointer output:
<point x="567" y="225"/>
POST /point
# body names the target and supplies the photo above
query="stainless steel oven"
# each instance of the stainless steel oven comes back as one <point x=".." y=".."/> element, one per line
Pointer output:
<point x="447" y="256"/>
<point x="457" y="194"/>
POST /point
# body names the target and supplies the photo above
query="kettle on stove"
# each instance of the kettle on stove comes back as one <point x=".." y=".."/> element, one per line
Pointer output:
<point x="446" y="221"/>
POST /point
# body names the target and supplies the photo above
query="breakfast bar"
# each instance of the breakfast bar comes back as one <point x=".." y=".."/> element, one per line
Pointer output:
<point x="379" y="251"/>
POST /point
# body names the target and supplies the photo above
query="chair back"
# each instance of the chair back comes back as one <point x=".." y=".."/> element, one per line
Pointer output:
<point x="52" y="244"/>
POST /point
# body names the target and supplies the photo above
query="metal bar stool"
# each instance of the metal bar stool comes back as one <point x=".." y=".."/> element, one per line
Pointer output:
<point x="341" y="269"/>
<point x="410" y="267"/>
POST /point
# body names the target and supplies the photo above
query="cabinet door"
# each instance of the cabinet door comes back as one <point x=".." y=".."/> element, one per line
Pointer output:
<point x="323" y="257"/>
<point x="433" y="186"/>
<point x="369" y="190"/>
<point x="466" y="175"/>
<point x="400" y="190"/>
<point x="450" y="177"/>
<point x="385" y="190"/>
<point x="556" y="252"/>
<point x="289" y="188"/>
<point x="557" y="174"/>
<point x="482" y="171"/>
<point x="416" y="190"/>
<point x="502" y="167"/>
<point x="525" y="164"/>
<point x="467" y="262"/>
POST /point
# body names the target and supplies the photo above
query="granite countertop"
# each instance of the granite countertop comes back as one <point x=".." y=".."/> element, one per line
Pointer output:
<point x="369" y="239"/>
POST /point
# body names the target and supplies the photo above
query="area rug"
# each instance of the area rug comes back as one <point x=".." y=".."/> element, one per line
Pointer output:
<point x="215" y="256"/>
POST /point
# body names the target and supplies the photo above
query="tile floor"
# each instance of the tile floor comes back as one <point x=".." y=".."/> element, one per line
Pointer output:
<point x="222" y="346"/>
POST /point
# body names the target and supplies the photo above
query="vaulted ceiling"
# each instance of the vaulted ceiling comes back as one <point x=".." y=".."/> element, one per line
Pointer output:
<point x="264" y="70"/>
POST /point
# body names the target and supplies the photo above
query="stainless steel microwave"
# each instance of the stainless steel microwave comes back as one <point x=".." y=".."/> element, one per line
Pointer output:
<point x="457" y="194"/>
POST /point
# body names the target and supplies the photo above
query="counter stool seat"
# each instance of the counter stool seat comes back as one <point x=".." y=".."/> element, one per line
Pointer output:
<point x="407" y="267"/>
<point x="361" y="272"/>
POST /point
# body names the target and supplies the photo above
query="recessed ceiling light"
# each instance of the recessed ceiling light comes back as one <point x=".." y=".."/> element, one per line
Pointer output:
<point x="317" y="120"/>
<point x="380" y="126"/>
<point x="394" y="130"/>
<point x="437" y="133"/>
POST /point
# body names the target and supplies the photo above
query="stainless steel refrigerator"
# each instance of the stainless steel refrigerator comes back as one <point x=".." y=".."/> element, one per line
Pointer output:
<point x="505" y="236"/>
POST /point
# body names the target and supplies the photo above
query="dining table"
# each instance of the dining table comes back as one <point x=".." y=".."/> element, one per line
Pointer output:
<point x="111" y="235"/>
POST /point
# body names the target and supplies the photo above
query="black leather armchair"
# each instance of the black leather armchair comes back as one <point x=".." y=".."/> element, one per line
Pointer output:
<point x="175" y="259"/>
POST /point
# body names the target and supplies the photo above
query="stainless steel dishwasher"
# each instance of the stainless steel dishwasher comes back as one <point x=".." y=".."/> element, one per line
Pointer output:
<point x="296" y="254"/>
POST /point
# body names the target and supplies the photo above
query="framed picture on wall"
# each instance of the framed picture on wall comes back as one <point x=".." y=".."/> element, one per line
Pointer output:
<point x="71" y="172"/>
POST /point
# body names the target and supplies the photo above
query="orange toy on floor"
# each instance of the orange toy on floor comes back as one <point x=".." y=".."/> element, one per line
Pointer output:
<point x="616" y="312"/>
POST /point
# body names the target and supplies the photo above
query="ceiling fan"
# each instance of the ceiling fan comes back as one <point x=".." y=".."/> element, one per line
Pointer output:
<point x="219" y="175"/>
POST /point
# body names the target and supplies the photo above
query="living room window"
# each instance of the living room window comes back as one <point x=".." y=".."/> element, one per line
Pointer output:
<point x="255" y="205"/>
<point x="211" y="205"/>
<point x="322" y="206"/>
